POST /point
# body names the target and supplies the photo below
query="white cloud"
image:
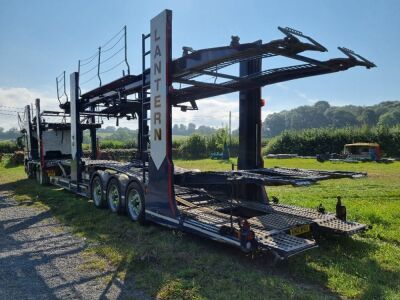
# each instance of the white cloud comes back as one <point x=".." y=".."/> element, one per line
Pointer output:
<point x="13" y="99"/>
<point x="19" y="97"/>
<point x="215" y="112"/>
<point x="212" y="112"/>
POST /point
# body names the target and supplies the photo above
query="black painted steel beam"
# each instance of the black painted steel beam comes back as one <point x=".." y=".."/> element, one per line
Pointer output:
<point x="207" y="62"/>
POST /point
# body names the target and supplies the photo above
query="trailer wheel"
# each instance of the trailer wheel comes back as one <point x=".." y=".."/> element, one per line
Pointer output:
<point x="135" y="203"/>
<point x="41" y="177"/>
<point x="31" y="174"/>
<point x="114" y="196"/>
<point x="97" y="192"/>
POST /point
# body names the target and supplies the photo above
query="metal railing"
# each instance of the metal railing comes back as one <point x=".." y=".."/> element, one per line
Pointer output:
<point x="106" y="59"/>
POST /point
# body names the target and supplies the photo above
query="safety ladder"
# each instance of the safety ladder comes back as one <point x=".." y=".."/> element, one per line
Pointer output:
<point x="145" y="118"/>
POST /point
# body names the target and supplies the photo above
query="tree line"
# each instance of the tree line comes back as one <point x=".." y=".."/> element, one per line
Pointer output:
<point x="332" y="140"/>
<point x="10" y="134"/>
<point x="323" y="115"/>
<point x="177" y="129"/>
<point x="182" y="129"/>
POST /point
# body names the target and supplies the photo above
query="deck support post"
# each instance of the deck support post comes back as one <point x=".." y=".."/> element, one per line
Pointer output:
<point x="250" y="120"/>
<point x="76" y="134"/>
<point x="28" y="127"/>
<point x="39" y="133"/>
<point x="93" y="136"/>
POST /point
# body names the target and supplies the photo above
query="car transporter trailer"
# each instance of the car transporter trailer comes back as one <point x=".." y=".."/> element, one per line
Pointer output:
<point x="232" y="206"/>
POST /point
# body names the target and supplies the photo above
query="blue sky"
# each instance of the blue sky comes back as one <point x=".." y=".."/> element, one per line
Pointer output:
<point x="39" y="39"/>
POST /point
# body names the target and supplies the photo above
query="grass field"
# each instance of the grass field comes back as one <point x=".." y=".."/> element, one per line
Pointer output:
<point x="171" y="265"/>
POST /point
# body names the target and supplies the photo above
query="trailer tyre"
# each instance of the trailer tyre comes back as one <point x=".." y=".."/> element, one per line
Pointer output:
<point x="31" y="174"/>
<point x="114" y="196"/>
<point x="41" y="177"/>
<point x="135" y="205"/>
<point x="97" y="192"/>
<point x="28" y="170"/>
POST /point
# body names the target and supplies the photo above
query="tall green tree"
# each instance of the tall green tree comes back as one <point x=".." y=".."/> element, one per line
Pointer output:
<point x="390" y="118"/>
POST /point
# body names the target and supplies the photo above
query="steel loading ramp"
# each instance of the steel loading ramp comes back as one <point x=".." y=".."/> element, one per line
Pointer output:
<point x="326" y="222"/>
<point x="285" y="217"/>
<point x="212" y="221"/>
<point x="313" y="175"/>
<point x="272" y="216"/>
<point x="264" y="176"/>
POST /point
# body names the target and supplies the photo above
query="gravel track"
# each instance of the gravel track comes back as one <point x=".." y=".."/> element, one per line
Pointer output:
<point x="40" y="259"/>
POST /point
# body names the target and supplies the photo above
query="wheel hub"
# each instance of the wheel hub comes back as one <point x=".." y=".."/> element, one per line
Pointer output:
<point x="135" y="205"/>
<point x="97" y="192"/>
<point x="114" y="196"/>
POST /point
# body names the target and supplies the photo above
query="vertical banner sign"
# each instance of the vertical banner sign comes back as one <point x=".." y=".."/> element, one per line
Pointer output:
<point x="159" y="88"/>
<point x="160" y="200"/>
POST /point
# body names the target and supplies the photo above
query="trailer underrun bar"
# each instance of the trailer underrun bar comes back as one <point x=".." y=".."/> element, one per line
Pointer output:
<point x="231" y="206"/>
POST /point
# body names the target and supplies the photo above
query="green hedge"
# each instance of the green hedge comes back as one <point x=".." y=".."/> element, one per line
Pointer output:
<point x="323" y="140"/>
<point x="113" y="144"/>
<point x="197" y="146"/>
<point x="8" y="146"/>
<point x="192" y="147"/>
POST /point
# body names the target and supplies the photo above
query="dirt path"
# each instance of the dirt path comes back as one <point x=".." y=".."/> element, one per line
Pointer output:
<point x="40" y="259"/>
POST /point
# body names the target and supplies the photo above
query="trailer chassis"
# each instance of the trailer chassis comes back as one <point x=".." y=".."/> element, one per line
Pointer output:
<point x="230" y="207"/>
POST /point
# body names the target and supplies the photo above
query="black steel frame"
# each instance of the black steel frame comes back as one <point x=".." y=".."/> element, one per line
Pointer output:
<point x="188" y="81"/>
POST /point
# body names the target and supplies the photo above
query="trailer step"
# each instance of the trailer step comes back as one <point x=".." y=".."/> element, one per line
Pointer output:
<point x="274" y="220"/>
<point x="326" y="222"/>
<point x="83" y="189"/>
<point x="285" y="244"/>
<point x="277" y="240"/>
<point x="340" y="227"/>
<point x="304" y="212"/>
